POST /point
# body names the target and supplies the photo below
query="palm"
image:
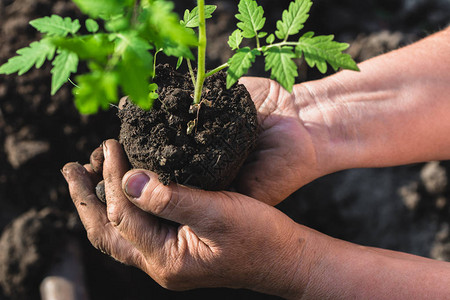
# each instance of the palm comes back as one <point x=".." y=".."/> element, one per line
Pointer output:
<point x="284" y="158"/>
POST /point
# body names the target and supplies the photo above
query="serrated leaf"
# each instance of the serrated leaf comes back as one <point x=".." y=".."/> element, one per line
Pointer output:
<point x="64" y="64"/>
<point x="56" y="25"/>
<point x="162" y="26"/>
<point x="191" y="18"/>
<point x="172" y="49"/>
<point x="318" y="50"/>
<point x="103" y="8"/>
<point x="252" y="18"/>
<point x="34" y="55"/>
<point x="90" y="47"/>
<point x="293" y="18"/>
<point x="239" y="64"/>
<point x="95" y="90"/>
<point x="270" y="39"/>
<point x="135" y="69"/>
<point x="91" y="25"/>
<point x="283" y="68"/>
<point x="235" y="39"/>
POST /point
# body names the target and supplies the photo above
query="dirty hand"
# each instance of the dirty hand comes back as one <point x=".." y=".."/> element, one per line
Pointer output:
<point x="225" y="239"/>
<point x="286" y="157"/>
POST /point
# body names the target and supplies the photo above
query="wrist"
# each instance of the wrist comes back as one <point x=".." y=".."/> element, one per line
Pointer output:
<point x="331" y="133"/>
<point x="293" y="267"/>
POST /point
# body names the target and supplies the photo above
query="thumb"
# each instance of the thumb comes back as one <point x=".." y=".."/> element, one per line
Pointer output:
<point x="175" y="202"/>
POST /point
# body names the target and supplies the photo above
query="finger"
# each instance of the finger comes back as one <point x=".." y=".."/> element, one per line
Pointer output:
<point x="114" y="167"/>
<point x="93" y="216"/>
<point x="135" y="225"/>
<point x="92" y="174"/>
<point x="176" y="203"/>
<point x="258" y="88"/>
<point x="97" y="159"/>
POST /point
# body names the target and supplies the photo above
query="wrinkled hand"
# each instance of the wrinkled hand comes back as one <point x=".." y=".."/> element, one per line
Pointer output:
<point x="225" y="239"/>
<point x="285" y="158"/>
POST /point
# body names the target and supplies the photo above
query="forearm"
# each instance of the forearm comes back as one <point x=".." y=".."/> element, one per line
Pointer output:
<point x="348" y="271"/>
<point x="395" y="111"/>
<point x="335" y="269"/>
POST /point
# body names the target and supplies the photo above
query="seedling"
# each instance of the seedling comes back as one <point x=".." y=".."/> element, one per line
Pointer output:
<point x="124" y="37"/>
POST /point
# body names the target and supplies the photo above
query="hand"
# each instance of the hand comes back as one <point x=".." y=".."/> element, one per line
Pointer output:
<point x="286" y="157"/>
<point x="225" y="239"/>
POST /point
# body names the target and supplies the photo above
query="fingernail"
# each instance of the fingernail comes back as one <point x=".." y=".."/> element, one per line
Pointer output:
<point x="136" y="184"/>
<point x="105" y="149"/>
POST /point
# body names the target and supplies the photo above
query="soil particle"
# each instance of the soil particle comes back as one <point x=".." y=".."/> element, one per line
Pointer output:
<point x="223" y="131"/>
<point x="434" y="178"/>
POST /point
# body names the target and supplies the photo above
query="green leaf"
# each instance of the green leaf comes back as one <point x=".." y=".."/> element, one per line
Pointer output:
<point x="318" y="50"/>
<point x="96" y="47"/>
<point x="103" y="8"/>
<point x="95" y="90"/>
<point x="153" y="95"/>
<point x="56" y="25"/>
<point x="64" y="64"/>
<point x="293" y="18"/>
<point x="91" y="25"/>
<point x="235" y="39"/>
<point x="270" y="39"/>
<point x="161" y="25"/>
<point x="135" y="69"/>
<point x="172" y="49"/>
<point x="191" y="19"/>
<point x="252" y="18"/>
<point x="239" y="64"/>
<point x="262" y="34"/>
<point x="179" y="62"/>
<point x="117" y="24"/>
<point x="283" y="68"/>
<point x="34" y="55"/>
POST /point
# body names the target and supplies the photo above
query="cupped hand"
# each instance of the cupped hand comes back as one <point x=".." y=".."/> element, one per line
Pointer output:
<point x="286" y="156"/>
<point x="224" y="239"/>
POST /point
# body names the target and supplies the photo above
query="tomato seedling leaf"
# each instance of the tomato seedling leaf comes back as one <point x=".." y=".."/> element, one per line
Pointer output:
<point x="34" y="55"/>
<point x="252" y="18"/>
<point x="293" y="19"/>
<point x="64" y="64"/>
<point x="320" y="50"/>
<point x="283" y="68"/>
<point x="56" y="25"/>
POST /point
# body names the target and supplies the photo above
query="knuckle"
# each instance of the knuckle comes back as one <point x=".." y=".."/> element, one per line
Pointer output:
<point x="162" y="200"/>
<point x="115" y="215"/>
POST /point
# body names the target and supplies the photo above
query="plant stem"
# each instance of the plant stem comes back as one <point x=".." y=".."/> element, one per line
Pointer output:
<point x="219" y="68"/>
<point x="191" y="70"/>
<point x="201" y="52"/>
<point x="154" y="62"/>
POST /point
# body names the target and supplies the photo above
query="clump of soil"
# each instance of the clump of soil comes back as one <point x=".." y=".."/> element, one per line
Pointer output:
<point x="208" y="157"/>
<point x="27" y="249"/>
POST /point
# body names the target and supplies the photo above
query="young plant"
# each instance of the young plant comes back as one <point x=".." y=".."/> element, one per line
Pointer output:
<point x="123" y="38"/>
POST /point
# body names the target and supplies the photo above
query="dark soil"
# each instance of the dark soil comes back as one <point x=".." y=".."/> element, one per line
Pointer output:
<point x="404" y="208"/>
<point x="208" y="157"/>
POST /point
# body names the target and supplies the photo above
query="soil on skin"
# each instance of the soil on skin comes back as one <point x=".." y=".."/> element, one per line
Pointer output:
<point x="208" y="157"/>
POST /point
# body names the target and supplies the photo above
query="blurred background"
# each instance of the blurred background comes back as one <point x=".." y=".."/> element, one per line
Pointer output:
<point x="403" y="208"/>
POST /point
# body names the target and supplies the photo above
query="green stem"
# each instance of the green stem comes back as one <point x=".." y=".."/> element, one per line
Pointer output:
<point x="191" y="70"/>
<point x="154" y="62"/>
<point x="201" y="52"/>
<point x="226" y="65"/>
<point x="219" y="68"/>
